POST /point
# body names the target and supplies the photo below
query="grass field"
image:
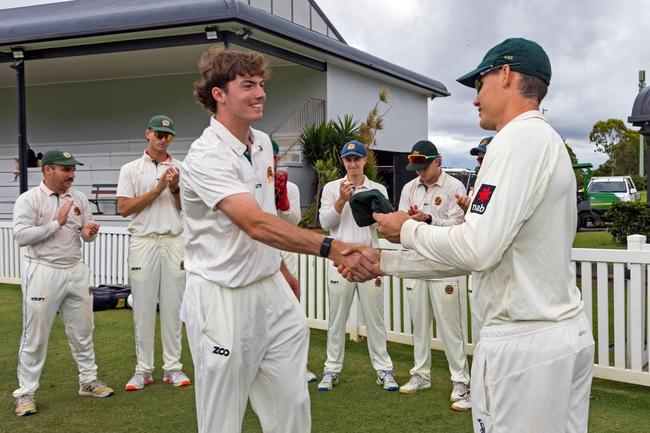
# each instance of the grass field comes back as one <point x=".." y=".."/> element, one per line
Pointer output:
<point x="356" y="405"/>
<point x="596" y="239"/>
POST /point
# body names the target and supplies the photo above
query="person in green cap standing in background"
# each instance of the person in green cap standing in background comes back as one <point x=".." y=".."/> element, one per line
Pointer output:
<point x="431" y="198"/>
<point x="49" y="222"/>
<point x="336" y="216"/>
<point x="148" y="190"/>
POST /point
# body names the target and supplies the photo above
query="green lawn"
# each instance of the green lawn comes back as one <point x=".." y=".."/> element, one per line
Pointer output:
<point x="596" y="239"/>
<point x="356" y="405"/>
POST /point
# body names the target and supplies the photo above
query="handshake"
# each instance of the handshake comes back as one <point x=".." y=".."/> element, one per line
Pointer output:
<point x="356" y="262"/>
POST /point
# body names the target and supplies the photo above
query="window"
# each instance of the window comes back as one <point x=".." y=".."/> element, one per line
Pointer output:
<point x="618" y="186"/>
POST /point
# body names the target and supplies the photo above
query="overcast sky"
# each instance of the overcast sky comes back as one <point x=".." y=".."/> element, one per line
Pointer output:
<point x="596" y="49"/>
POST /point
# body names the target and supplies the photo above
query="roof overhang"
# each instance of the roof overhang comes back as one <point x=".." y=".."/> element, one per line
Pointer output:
<point x="78" y="28"/>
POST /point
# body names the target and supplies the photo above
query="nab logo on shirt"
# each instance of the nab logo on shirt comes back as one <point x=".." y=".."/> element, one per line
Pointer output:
<point x="482" y="198"/>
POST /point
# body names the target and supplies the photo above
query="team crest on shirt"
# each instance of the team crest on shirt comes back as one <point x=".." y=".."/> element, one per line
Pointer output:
<point x="77" y="211"/>
<point x="378" y="282"/>
<point x="437" y="201"/>
<point x="269" y="175"/>
<point x="449" y="289"/>
<point x="482" y="198"/>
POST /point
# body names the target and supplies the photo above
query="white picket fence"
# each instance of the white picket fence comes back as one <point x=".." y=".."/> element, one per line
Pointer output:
<point x="619" y="300"/>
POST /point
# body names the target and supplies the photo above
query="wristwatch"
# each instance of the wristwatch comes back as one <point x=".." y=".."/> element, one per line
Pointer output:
<point x="325" y="246"/>
<point x="429" y="219"/>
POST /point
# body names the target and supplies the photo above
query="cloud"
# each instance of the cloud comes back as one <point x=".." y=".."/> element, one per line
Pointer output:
<point x="596" y="48"/>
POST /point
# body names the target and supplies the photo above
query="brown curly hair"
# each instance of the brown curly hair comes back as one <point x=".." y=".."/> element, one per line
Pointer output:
<point x="217" y="67"/>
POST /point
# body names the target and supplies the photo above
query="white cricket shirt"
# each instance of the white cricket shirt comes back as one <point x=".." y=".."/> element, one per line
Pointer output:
<point x="438" y="200"/>
<point x="160" y="216"/>
<point x="342" y="226"/>
<point x="36" y="227"/>
<point x="518" y="233"/>
<point x="216" y="168"/>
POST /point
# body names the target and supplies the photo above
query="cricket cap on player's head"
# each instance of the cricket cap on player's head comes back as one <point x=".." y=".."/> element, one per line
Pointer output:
<point x="482" y="146"/>
<point x="522" y="55"/>
<point x="354" y="148"/>
<point x="58" y="157"/>
<point x="422" y="155"/>
<point x="162" y="123"/>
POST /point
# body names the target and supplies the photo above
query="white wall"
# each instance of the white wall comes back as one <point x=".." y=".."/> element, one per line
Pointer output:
<point x="352" y="93"/>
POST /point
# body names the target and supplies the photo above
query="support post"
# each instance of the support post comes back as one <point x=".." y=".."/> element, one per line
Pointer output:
<point x="19" y="66"/>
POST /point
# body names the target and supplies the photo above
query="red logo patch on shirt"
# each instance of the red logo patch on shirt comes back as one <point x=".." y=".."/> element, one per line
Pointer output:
<point x="77" y="211"/>
<point x="482" y="198"/>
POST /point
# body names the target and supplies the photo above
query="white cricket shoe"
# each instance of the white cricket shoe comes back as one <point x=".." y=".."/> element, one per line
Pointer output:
<point x="459" y="392"/>
<point x="463" y="405"/>
<point x="25" y="405"/>
<point x="386" y="379"/>
<point x="176" y="378"/>
<point x="328" y="381"/>
<point x="311" y="377"/>
<point x="415" y="383"/>
<point x="139" y="380"/>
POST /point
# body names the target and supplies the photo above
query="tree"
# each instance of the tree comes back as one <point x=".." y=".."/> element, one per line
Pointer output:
<point x="574" y="159"/>
<point x="620" y="143"/>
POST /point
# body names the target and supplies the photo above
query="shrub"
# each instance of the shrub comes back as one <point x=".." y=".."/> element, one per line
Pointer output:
<point x="628" y="218"/>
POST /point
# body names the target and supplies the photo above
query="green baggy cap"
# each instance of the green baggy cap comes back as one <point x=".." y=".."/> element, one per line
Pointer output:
<point x="58" y="157"/>
<point x="523" y="55"/>
<point x="365" y="203"/>
<point x="162" y="123"/>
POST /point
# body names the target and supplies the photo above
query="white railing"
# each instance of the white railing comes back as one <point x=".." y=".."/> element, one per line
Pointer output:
<point x="619" y="301"/>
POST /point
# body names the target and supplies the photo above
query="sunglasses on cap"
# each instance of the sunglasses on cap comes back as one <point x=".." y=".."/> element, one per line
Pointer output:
<point x="417" y="158"/>
<point x="160" y="135"/>
<point x="478" y="83"/>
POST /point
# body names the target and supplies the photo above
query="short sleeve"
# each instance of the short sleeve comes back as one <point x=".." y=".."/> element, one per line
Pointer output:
<point x="125" y="187"/>
<point x="213" y="178"/>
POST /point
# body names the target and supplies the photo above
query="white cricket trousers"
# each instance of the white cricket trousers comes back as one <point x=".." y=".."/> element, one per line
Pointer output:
<point x="157" y="278"/>
<point x="341" y="292"/>
<point x="49" y="288"/>
<point x="426" y="299"/>
<point x="248" y="342"/>
<point x="533" y="377"/>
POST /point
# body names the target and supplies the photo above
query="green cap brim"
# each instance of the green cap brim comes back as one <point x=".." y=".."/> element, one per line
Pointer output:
<point x="63" y="162"/>
<point x="469" y="79"/>
<point x="163" y="129"/>
<point x="416" y="167"/>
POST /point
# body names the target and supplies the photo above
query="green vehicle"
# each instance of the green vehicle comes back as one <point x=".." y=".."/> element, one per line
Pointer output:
<point x="591" y="205"/>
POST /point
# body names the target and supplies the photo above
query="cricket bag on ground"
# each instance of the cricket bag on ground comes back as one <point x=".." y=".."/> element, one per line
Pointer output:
<point x="110" y="296"/>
